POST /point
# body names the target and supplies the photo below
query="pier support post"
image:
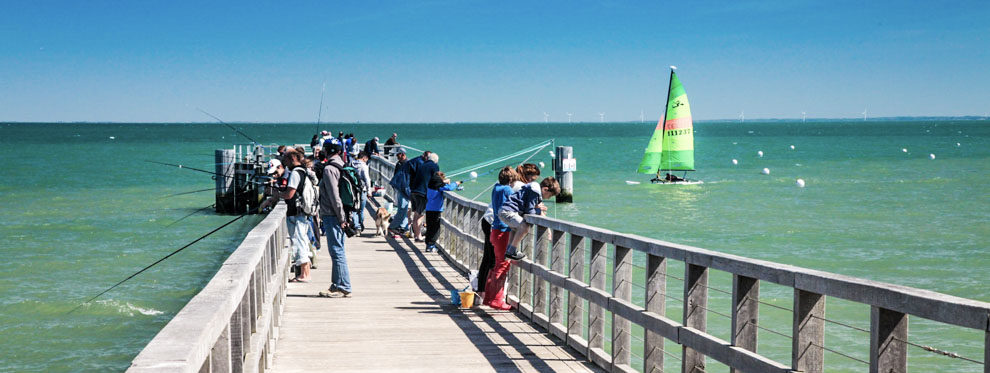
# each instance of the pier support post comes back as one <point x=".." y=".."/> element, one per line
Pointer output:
<point x="563" y="166"/>
<point x="540" y="285"/>
<point x="224" y="168"/>
<point x="888" y="333"/>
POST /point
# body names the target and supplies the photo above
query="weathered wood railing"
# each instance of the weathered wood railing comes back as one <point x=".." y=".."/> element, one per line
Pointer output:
<point x="533" y="281"/>
<point x="231" y="325"/>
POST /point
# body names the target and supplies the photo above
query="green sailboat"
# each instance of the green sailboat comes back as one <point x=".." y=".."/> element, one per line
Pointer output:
<point x="671" y="147"/>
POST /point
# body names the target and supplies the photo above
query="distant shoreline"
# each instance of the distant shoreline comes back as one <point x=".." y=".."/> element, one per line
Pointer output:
<point x="766" y="120"/>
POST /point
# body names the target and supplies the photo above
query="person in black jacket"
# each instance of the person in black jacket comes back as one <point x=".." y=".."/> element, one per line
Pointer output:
<point x="418" y="185"/>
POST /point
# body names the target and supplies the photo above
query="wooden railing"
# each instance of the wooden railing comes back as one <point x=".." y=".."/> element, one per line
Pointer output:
<point x="544" y="286"/>
<point x="232" y="324"/>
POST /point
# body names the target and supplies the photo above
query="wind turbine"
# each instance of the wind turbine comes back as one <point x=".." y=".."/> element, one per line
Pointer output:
<point x="804" y="117"/>
<point x="601" y="117"/>
<point x="569" y="118"/>
<point x="742" y="116"/>
<point x="546" y="117"/>
<point x="642" y="116"/>
<point x="864" y="114"/>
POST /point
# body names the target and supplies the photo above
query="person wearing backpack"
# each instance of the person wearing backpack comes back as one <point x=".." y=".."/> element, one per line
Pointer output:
<point x="335" y="221"/>
<point x="296" y="215"/>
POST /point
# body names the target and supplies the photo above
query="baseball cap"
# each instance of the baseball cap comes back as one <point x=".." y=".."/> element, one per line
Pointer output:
<point x="273" y="165"/>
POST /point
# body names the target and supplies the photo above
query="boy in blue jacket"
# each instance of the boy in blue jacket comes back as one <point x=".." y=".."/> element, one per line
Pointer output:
<point x="528" y="200"/>
<point x="434" y="206"/>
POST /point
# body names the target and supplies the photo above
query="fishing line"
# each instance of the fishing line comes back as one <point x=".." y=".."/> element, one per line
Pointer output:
<point x="536" y="147"/>
<point x="188" y="215"/>
<point x="231" y="127"/>
<point x="160" y="260"/>
<point x="409" y="147"/>
<point x="191" y="192"/>
<point x="499" y="168"/>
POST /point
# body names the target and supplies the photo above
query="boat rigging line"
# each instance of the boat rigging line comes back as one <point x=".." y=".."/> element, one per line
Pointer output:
<point x="160" y="260"/>
<point x="228" y="125"/>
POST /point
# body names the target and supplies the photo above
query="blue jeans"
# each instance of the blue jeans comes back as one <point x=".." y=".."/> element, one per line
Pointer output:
<point x="399" y="221"/>
<point x="341" y="277"/>
<point x="357" y="217"/>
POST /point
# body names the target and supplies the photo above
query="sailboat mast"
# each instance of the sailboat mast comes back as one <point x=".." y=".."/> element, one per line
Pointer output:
<point x="666" y="104"/>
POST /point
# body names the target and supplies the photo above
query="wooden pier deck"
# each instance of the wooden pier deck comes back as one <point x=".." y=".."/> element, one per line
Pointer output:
<point x="399" y="318"/>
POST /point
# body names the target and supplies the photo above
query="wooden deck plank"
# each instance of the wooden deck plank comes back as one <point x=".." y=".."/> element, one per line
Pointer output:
<point x="399" y="318"/>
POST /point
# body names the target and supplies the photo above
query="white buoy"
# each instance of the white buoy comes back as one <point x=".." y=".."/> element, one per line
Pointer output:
<point x="958" y="144"/>
<point x="904" y="150"/>
<point x="474" y="175"/>
<point x="542" y="165"/>
<point x="112" y="138"/>
<point x="792" y="147"/>
<point x="552" y="155"/>
<point x="932" y="156"/>
<point x="759" y="153"/>
<point x="766" y="171"/>
<point x="800" y="183"/>
<point x="735" y="161"/>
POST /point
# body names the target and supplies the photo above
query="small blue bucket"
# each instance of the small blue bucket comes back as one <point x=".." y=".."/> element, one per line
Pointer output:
<point x="455" y="298"/>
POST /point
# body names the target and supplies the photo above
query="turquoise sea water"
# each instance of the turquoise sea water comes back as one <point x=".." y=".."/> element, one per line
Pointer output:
<point x="82" y="211"/>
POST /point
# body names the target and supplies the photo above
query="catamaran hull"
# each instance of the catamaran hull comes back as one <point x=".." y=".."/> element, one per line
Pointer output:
<point x="686" y="182"/>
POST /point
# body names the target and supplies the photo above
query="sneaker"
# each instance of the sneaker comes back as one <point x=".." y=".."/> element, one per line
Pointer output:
<point x="335" y="293"/>
<point x="429" y="248"/>
<point x="515" y="254"/>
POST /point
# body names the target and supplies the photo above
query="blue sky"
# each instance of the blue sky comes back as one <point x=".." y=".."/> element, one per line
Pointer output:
<point x="488" y="61"/>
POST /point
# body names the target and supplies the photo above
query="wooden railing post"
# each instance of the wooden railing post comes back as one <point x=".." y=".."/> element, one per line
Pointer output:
<point x="807" y="354"/>
<point x="745" y="312"/>
<point x="986" y="347"/>
<point x="695" y="314"/>
<point x="540" y="284"/>
<point x="557" y="249"/>
<point x="526" y="279"/>
<point x="575" y="309"/>
<point x="888" y="334"/>
<point x="656" y="302"/>
<point x="596" y="314"/>
<point x="621" y="289"/>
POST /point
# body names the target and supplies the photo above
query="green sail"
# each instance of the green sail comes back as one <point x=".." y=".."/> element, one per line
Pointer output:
<point x="672" y="145"/>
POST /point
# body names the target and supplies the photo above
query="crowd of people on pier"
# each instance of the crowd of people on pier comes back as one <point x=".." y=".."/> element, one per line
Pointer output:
<point x="327" y="191"/>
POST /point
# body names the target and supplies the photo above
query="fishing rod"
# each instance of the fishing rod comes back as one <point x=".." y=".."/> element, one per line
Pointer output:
<point x="159" y="261"/>
<point x="319" y="115"/>
<point x="188" y="215"/>
<point x="209" y="172"/>
<point x="231" y="127"/>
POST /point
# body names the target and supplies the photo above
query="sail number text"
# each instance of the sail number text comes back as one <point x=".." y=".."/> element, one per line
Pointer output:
<point x="677" y="132"/>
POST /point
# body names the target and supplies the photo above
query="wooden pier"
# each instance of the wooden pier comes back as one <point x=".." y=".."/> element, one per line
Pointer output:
<point x="400" y="318"/>
<point x="575" y="289"/>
